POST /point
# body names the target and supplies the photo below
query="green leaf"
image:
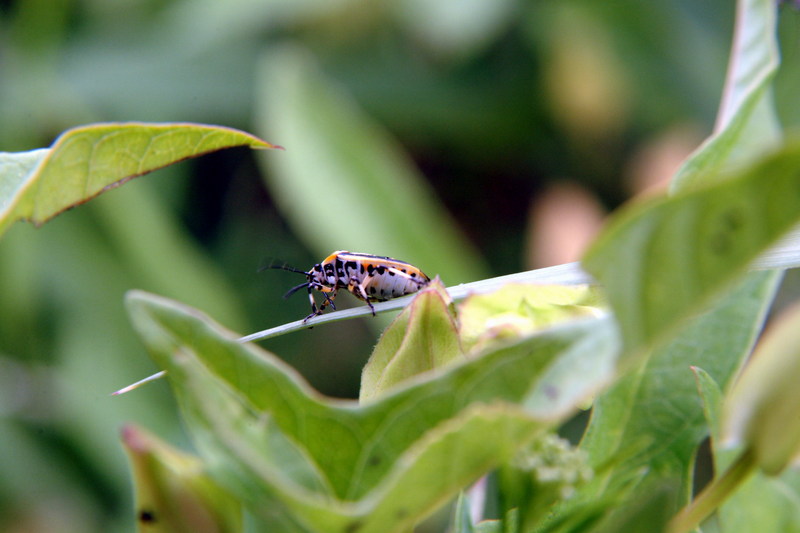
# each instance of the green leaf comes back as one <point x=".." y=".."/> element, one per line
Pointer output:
<point x="422" y="338"/>
<point x="664" y="260"/>
<point x="462" y="519"/>
<point x="746" y="123"/>
<point x="173" y="492"/>
<point x="344" y="183"/>
<point x="454" y="29"/>
<point x="651" y="421"/>
<point x="761" y="503"/>
<point x="760" y="412"/>
<point x="767" y="504"/>
<point x="404" y="452"/>
<point x="86" y="161"/>
<point x="711" y="395"/>
<point x="649" y="512"/>
<point x="666" y="266"/>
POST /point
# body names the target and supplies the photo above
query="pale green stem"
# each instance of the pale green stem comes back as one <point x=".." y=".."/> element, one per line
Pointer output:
<point x="691" y="516"/>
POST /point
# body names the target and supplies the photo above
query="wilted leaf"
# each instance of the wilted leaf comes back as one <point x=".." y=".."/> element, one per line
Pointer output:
<point x="174" y="493"/>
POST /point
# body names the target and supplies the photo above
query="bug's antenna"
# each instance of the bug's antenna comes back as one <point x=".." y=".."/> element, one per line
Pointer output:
<point x="295" y="289"/>
<point x="283" y="266"/>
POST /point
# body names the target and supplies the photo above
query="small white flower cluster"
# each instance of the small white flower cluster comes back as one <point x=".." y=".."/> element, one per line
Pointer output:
<point x="555" y="462"/>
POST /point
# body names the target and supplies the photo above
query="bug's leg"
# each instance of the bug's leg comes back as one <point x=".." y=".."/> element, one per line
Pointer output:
<point x="329" y="300"/>
<point x="329" y="296"/>
<point x="360" y="291"/>
<point x="314" y="310"/>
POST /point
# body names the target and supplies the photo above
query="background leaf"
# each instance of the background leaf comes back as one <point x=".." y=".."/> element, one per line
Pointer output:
<point x="343" y="181"/>
<point x="85" y="161"/>
<point x="746" y="124"/>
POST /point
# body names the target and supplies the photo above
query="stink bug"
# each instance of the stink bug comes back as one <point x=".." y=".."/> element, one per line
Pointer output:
<point x="371" y="278"/>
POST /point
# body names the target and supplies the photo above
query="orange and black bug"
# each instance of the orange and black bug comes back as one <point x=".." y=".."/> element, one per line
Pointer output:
<point x="371" y="278"/>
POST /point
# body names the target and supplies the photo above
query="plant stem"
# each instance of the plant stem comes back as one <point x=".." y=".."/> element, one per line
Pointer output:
<point x="713" y="495"/>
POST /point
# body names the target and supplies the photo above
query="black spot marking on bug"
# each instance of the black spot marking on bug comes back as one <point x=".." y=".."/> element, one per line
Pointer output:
<point x="329" y="268"/>
<point x="361" y="268"/>
<point x="147" y="517"/>
<point x="371" y="270"/>
<point x="317" y="268"/>
<point x="391" y="272"/>
<point x="413" y="274"/>
<point x="351" y="265"/>
<point x="372" y="290"/>
<point x="354" y="526"/>
<point x="381" y="270"/>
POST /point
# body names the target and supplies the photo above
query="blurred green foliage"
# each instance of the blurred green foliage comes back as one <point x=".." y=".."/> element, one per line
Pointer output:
<point x="492" y="100"/>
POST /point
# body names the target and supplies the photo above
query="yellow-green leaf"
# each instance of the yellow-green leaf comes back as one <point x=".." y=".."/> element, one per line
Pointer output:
<point x="88" y="160"/>
<point x="519" y="309"/>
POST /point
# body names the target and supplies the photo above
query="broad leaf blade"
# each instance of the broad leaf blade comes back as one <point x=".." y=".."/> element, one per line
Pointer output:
<point x="651" y="420"/>
<point x="85" y="161"/>
<point x="243" y="444"/>
<point x="366" y="455"/>
<point x="665" y="260"/>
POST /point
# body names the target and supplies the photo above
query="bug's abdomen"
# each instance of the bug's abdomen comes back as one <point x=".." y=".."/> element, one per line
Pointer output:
<point x="383" y="282"/>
